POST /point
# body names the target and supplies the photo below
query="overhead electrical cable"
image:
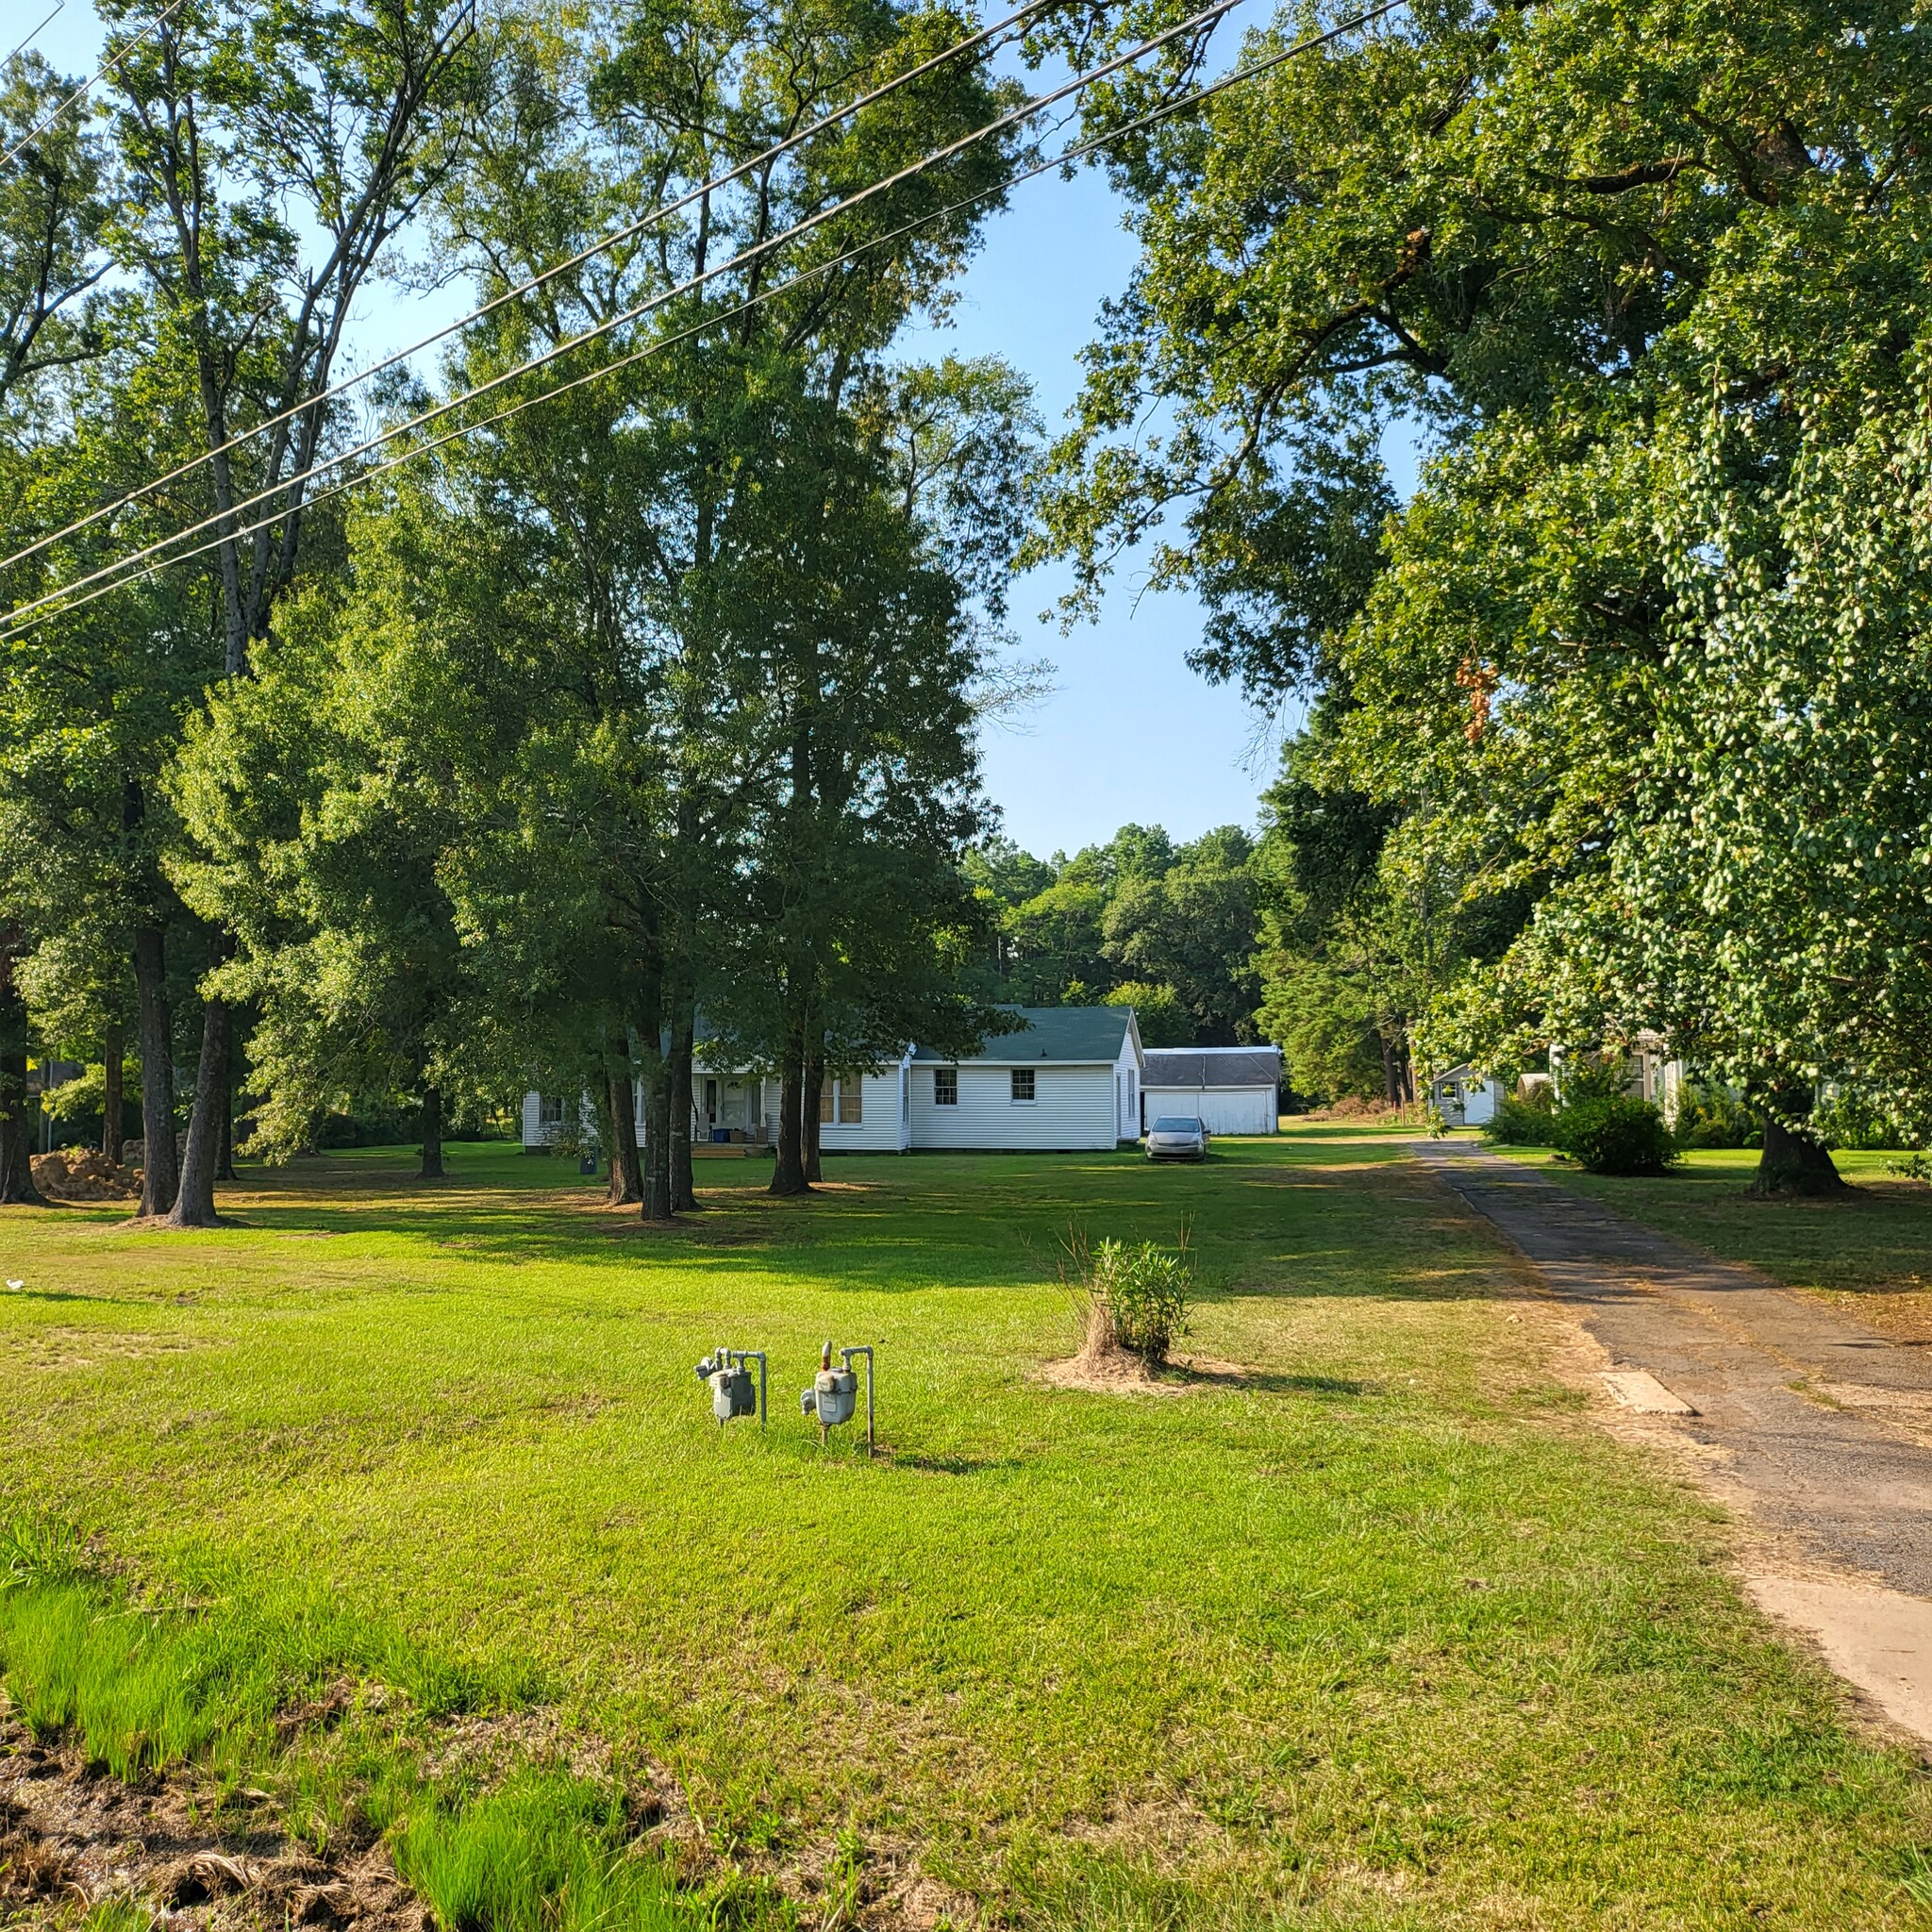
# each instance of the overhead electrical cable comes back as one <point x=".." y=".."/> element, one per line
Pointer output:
<point x="1077" y="152"/>
<point x="60" y="7"/>
<point x="112" y="61"/>
<point x="616" y="239"/>
<point x="743" y="257"/>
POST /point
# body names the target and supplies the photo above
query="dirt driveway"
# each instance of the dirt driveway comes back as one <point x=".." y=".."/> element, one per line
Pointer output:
<point x="1816" y="1427"/>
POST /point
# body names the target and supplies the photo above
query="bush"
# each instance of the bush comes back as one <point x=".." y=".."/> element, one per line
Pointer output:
<point x="1523" y="1120"/>
<point x="1715" y="1117"/>
<point x="1614" y="1133"/>
<point x="1144" y="1293"/>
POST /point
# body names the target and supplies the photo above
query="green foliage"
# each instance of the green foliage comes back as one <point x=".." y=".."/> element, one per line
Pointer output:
<point x="1144" y="1292"/>
<point x="1713" y="1116"/>
<point x="1849" y="1118"/>
<point x="1158" y="1011"/>
<point x="1139" y="915"/>
<point x="1619" y="1134"/>
<point x="1523" y="1120"/>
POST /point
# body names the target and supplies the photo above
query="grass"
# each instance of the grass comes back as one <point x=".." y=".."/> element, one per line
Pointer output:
<point x="1869" y="1253"/>
<point x="1381" y="1635"/>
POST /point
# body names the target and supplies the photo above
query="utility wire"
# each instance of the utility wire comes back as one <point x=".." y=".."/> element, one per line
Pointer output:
<point x="60" y="7"/>
<point x="113" y="60"/>
<point x="1026" y="111"/>
<point x="1066" y="158"/>
<point x="971" y="43"/>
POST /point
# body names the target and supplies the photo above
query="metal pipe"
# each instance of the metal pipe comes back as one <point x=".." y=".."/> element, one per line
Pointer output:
<point x="846" y="1355"/>
<point x="757" y="1356"/>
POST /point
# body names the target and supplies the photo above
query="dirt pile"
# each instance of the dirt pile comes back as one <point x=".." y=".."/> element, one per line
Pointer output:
<point x="70" y="1837"/>
<point x="81" y="1175"/>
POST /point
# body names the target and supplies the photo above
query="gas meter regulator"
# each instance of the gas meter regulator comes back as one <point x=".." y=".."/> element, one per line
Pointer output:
<point x="727" y="1373"/>
<point x="834" y="1392"/>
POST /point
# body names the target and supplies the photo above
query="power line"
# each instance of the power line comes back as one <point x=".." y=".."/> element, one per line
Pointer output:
<point x="113" y="60"/>
<point x="743" y="257"/>
<point x="60" y="7"/>
<point x="1079" y="151"/>
<point x="603" y="245"/>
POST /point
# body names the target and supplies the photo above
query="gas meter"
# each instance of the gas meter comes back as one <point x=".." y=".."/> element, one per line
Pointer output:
<point x="834" y="1392"/>
<point x="727" y="1373"/>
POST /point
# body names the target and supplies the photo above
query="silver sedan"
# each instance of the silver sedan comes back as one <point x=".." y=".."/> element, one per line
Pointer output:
<point x="1177" y="1137"/>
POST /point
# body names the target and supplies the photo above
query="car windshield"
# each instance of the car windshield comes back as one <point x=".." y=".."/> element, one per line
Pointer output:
<point x="1177" y="1123"/>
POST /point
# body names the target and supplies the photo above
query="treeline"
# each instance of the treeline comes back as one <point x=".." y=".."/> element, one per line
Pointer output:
<point x="653" y="692"/>
<point x="1167" y="929"/>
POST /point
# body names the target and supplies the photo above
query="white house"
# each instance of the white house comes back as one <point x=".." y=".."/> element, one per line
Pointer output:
<point x="1229" y="1090"/>
<point x="1069" y="1078"/>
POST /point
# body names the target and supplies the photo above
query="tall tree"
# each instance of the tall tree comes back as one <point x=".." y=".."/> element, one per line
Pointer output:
<point x="1637" y="275"/>
<point x="271" y="154"/>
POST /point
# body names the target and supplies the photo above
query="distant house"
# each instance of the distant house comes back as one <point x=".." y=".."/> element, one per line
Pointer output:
<point x="1651" y="1072"/>
<point x="1230" y="1089"/>
<point x="1466" y="1098"/>
<point x="1069" y="1079"/>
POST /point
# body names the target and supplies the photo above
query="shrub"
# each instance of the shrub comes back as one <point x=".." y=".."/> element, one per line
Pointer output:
<point x="1144" y="1293"/>
<point x="1614" y="1133"/>
<point x="1715" y="1117"/>
<point x="1522" y="1120"/>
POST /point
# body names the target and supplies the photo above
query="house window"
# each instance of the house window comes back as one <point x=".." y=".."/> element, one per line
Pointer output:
<point x="945" y="1086"/>
<point x="825" y="1103"/>
<point x="553" y="1110"/>
<point x="851" y="1103"/>
<point x="1023" y="1083"/>
<point x="905" y="1099"/>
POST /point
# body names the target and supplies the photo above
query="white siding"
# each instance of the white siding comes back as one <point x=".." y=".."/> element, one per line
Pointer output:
<point x="882" y="1130"/>
<point x="1220" y="1109"/>
<point x="1127" y="1089"/>
<point x="1073" y="1108"/>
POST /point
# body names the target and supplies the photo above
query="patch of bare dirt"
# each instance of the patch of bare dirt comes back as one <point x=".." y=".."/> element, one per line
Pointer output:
<point x="71" y="1837"/>
<point x="81" y="1175"/>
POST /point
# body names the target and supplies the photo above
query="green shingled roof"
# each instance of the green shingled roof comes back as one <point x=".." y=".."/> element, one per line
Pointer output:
<point x="1081" y="1034"/>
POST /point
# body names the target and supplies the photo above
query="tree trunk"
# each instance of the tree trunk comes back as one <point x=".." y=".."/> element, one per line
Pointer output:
<point x="627" y="1174"/>
<point x="159" y="1177"/>
<point x="787" y="1176"/>
<point x="431" y="1169"/>
<point x="1794" y="1163"/>
<point x="684" y="1199"/>
<point x="114" y="1103"/>
<point x="225" y="1145"/>
<point x="655" y="1204"/>
<point x="812" y="1107"/>
<point x="1391" y="1088"/>
<point x="194" y="1199"/>
<point x="16" y="1130"/>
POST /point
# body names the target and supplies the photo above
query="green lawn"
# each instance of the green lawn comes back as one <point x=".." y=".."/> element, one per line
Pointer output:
<point x="1869" y="1252"/>
<point x="1384" y="1635"/>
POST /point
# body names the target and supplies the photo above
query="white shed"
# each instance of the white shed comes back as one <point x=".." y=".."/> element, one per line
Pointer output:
<point x="1229" y="1090"/>
<point x="1466" y="1098"/>
<point x="1068" y="1080"/>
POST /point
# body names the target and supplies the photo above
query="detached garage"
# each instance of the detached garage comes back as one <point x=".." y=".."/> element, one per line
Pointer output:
<point x="1230" y="1089"/>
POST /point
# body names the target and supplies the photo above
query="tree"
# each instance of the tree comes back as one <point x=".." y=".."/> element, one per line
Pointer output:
<point x="1637" y="279"/>
<point x="271" y="154"/>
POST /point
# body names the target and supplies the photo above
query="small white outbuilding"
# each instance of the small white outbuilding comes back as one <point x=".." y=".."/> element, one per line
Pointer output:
<point x="1466" y="1098"/>
<point x="1229" y="1090"/>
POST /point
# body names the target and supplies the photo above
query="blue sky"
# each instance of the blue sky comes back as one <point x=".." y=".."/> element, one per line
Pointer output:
<point x="1128" y="732"/>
